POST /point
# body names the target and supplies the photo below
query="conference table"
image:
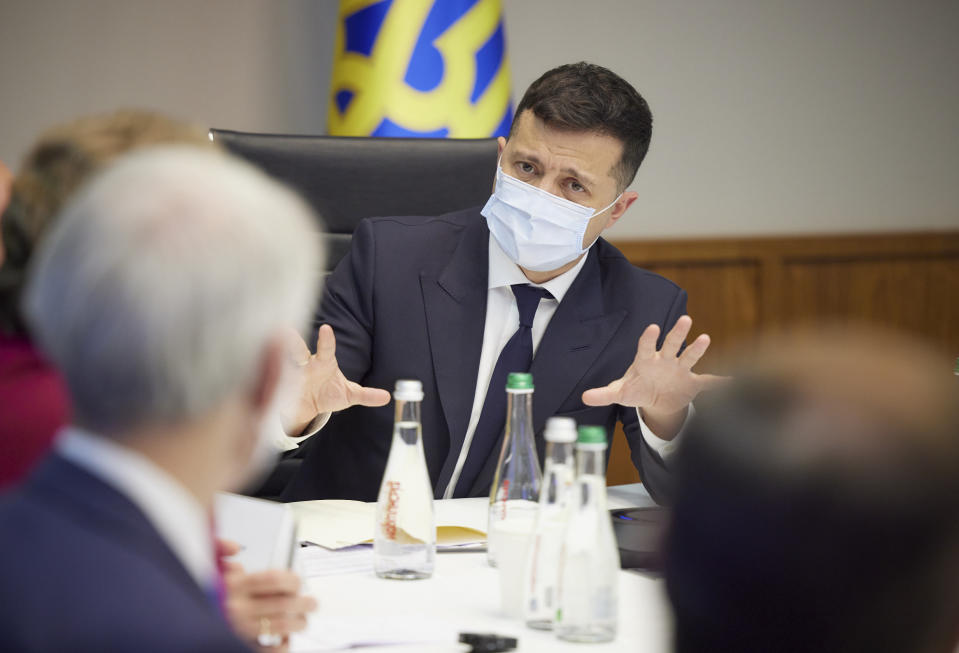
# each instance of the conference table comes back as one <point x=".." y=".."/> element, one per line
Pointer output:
<point x="358" y="609"/>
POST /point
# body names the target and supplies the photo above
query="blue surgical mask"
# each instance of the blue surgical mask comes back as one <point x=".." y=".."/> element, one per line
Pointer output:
<point x="538" y="230"/>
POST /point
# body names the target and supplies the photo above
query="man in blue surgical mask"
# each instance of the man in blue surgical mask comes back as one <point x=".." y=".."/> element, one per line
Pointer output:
<point x="522" y="284"/>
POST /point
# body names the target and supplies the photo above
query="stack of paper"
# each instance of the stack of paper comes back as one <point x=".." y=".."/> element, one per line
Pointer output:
<point x="313" y="561"/>
<point x="335" y="524"/>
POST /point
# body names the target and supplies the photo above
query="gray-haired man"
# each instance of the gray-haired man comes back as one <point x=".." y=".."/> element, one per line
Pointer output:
<point x="162" y="296"/>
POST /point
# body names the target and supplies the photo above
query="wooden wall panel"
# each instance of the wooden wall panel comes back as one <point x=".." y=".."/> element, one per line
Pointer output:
<point x="723" y="299"/>
<point x="739" y="286"/>
<point x="621" y="470"/>
<point x="917" y="295"/>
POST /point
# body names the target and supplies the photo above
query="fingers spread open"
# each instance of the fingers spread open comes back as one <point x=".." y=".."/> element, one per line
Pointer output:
<point x="325" y="344"/>
<point x="603" y="396"/>
<point x="363" y="396"/>
<point x="676" y="337"/>
<point x="647" y="342"/>
<point x="694" y="352"/>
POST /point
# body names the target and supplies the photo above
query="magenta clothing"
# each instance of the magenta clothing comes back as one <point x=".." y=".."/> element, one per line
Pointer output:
<point x="33" y="406"/>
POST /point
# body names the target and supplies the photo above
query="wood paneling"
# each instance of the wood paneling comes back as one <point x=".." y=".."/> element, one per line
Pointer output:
<point x="724" y="298"/>
<point x="739" y="286"/>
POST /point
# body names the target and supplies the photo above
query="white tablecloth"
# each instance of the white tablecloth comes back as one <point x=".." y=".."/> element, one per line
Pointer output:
<point x="463" y="596"/>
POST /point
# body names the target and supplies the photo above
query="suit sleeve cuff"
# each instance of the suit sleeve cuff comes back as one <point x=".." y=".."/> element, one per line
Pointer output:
<point x="284" y="442"/>
<point x="665" y="448"/>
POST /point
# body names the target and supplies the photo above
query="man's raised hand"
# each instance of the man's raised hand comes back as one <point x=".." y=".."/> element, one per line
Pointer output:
<point x="323" y="387"/>
<point x="659" y="383"/>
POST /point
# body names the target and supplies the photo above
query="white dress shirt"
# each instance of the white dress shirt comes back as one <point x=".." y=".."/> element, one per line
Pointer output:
<point x="176" y="515"/>
<point x="502" y="320"/>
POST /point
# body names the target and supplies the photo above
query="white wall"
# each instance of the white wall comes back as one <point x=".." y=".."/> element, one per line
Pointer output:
<point x="771" y="116"/>
<point x="244" y="64"/>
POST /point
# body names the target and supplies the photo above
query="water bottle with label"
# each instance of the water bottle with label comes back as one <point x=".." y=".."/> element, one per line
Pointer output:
<point x="542" y="567"/>
<point x="404" y="544"/>
<point x="589" y="571"/>
<point x="516" y="484"/>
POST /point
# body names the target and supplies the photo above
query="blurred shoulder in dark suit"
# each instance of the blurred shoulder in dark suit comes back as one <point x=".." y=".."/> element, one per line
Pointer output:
<point x="818" y="503"/>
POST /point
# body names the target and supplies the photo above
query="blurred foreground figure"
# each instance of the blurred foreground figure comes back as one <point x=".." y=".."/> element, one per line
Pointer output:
<point x="6" y="179"/>
<point x="33" y="401"/>
<point x="819" y="502"/>
<point x="162" y="295"/>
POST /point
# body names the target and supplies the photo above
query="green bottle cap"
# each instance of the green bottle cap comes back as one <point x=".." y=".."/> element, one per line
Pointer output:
<point x="956" y="368"/>
<point x="519" y="381"/>
<point x="591" y="435"/>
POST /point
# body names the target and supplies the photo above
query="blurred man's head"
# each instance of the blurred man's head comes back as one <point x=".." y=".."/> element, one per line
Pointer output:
<point x="162" y="294"/>
<point x="62" y="159"/>
<point x="818" y="505"/>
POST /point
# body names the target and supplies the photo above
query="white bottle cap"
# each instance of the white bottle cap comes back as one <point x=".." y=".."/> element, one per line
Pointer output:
<point x="560" y="429"/>
<point x="408" y="390"/>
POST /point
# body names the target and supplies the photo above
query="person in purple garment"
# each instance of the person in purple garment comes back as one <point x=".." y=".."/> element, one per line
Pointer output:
<point x="32" y="398"/>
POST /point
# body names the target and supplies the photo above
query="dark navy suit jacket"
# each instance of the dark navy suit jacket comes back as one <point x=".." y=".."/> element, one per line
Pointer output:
<point x="409" y="302"/>
<point x="81" y="569"/>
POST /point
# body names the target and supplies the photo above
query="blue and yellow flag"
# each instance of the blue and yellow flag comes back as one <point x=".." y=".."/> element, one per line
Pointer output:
<point x="426" y="68"/>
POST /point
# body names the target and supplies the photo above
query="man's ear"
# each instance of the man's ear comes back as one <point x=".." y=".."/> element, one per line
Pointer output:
<point x="619" y="208"/>
<point x="500" y="146"/>
<point x="269" y="375"/>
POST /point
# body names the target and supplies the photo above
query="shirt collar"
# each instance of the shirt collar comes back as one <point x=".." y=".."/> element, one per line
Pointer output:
<point x="179" y="518"/>
<point x="504" y="272"/>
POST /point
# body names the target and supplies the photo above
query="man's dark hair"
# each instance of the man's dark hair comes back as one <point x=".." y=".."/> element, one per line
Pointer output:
<point x="818" y="503"/>
<point x="586" y="97"/>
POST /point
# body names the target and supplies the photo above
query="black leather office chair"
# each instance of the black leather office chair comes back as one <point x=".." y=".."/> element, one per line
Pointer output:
<point x="347" y="179"/>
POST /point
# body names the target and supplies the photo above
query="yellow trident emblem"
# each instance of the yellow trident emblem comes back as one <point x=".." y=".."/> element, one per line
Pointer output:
<point x="430" y="68"/>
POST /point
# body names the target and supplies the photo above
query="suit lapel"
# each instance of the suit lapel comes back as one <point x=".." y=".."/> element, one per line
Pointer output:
<point x="577" y="333"/>
<point x="455" y="304"/>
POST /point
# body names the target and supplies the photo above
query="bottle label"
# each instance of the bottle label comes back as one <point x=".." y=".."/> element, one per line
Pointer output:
<point x="503" y="496"/>
<point x="392" y="507"/>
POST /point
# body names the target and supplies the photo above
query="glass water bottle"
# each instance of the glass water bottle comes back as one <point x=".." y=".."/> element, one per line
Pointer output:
<point x="589" y="572"/>
<point x="404" y="545"/>
<point x="543" y="559"/>
<point x="516" y="484"/>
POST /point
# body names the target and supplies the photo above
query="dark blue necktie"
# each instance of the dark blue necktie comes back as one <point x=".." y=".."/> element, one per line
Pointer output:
<point x="517" y="356"/>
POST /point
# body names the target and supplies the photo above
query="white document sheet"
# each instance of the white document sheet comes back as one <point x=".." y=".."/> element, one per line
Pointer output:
<point x="265" y="531"/>
<point x="312" y="560"/>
